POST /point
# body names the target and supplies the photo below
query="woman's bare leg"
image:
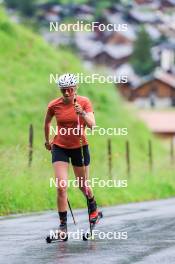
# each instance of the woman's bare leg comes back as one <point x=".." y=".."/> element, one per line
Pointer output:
<point x="61" y="176"/>
<point x="82" y="174"/>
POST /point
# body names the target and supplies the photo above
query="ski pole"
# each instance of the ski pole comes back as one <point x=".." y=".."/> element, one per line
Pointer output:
<point x="83" y="163"/>
<point x="71" y="211"/>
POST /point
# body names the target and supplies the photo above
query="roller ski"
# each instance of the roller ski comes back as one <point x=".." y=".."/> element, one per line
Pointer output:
<point x="60" y="235"/>
<point x="94" y="218"/>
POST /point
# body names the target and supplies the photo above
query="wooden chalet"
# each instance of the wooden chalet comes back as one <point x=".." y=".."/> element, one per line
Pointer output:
<point x="157" y="90"/>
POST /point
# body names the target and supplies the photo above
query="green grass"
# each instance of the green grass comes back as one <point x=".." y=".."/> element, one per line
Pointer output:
<point x="25" y="64"/>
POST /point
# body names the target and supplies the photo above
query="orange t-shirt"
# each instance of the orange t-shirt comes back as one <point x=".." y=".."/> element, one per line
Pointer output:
<point x="67" y="120"/>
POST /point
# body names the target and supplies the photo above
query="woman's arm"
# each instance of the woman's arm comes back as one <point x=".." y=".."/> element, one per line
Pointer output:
<point x="47" y="123"/>
<point x="88" y="117"/>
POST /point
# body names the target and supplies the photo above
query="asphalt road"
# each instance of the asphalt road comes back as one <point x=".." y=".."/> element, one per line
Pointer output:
<point x="150" y="229"/>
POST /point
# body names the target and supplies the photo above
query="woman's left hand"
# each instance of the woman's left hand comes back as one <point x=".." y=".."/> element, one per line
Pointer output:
<point x="78" y="109"/>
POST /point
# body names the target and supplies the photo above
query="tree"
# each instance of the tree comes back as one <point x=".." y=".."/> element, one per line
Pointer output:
<point x="100" y="7"/>
<point x="11" y="3"/>
<point x="142" y="60"/>
<point x="26" y="7"/>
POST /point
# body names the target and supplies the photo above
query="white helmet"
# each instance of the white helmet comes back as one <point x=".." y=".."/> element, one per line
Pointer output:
<point x="67" y="80"/>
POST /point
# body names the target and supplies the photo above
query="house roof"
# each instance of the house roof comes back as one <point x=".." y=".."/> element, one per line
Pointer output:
<point x="118" y="51"/>
<point x="93" y="48"/>
<point x="165" y="77"/>
<point x="171" y="2"/>
<point x="155" y="4"/>
<point x="160" y="75"/>
<point x="114" y="51"/>
<point x="159" y="121"/>
<point x="166" y="45"/>
<point x="137" y="81"/>
<point x="89" y="47"/>
<point x="153" y="32"/>
<point x="141" y="16"/>
<point x="117" y="19"/>
<point x="84" y="9"/>
<point x="133" y="78"/>
<point x="56" y="8"/>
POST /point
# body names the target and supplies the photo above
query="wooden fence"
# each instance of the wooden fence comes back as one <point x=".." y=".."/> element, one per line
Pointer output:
<point x="128" y="153"/>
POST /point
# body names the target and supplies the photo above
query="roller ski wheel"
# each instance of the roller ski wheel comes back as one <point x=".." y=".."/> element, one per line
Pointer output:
<point x="59" y="235"/>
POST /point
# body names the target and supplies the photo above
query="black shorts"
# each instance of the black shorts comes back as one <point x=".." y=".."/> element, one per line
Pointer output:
<point x="63" y="154"/>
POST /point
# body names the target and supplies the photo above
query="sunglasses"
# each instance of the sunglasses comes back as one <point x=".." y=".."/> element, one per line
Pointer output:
<point x="70" y="90"/>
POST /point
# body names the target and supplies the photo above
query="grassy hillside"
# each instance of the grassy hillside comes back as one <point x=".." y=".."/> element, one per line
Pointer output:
<point x="25" y="64"/>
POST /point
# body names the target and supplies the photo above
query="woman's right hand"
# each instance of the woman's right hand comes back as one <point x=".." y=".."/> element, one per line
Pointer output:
<point x="48" y="146"/>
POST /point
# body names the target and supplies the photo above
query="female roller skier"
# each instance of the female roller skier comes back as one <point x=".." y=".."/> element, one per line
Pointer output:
<point x="65" y="147"/>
